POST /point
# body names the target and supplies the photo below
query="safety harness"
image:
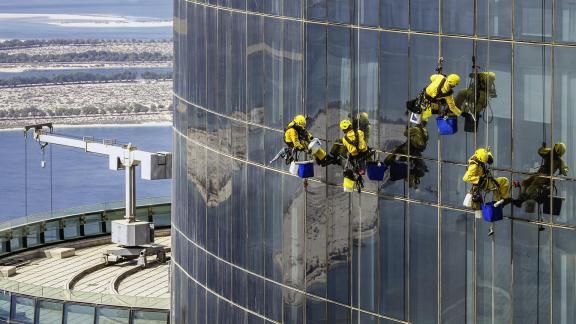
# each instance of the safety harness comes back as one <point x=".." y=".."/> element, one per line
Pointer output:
<point x="302" y="134"/>
<point x="476" y="190"/>
<point x="439" y="92"/>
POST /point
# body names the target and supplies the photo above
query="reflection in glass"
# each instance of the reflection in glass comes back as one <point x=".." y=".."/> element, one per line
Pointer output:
<point x="340" y="10"/>
<point x="423" y="269"/>
<point x="564" y="282"/>
<point x="112" y="316"/>
<point x="454" y="266"/>
<point x="394" y="14"/>
<point x="22" y="309"/>
<point x="408" y="260"/>
<point x="423" y="15"/>
<point x="367" y="12"/>
<point x="78" y="314"/>
<point x="532" y="82"/>
<point x="458" y="16"/>
<point x="533" y="20"/>
<point x="392" y="257"/>
<point x="494" y="18"/>
<point x="565" y="24"/>
<point x="531" y="253"/>
<point x="49" y="312"/>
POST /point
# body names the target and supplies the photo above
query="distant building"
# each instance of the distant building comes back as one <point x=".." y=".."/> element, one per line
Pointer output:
<point x="252" y="244"/>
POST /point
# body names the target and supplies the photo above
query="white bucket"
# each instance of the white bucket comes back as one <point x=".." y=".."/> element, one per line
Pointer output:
<point x="478" y="214"/>
<point x="315" y="145"/>
<point x="293" y="168"/>
<point x="415" y="118"/>
<point x="467" y="200"/>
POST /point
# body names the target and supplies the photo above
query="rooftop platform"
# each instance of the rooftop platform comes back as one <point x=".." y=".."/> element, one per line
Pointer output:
<point x="58" y="273"/>
<point x="53" y="269"/>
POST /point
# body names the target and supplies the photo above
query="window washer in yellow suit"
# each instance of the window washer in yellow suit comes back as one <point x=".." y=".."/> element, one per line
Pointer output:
<point x="479" y="175"/>
<point x="296" y="137"/>
<point x="438" y="94"/>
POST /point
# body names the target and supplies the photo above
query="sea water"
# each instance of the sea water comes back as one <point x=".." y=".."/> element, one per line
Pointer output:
<point x="141" y="19"/>
<point x="78" y="178"/>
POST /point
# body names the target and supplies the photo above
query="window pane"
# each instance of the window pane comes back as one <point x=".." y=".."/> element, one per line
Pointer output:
<point x="457" y="55"/>
<point x="496" y="14"/>
<point x="273" y="74"/>
<point x="394" y="14"/>
<point x="565" y="21"/>
<point x="365" y="82"/>
<point x="316" y="240"/>
<point x="22" y="309"/>
<point x="4" y="305"/>
<point x="564" y="97"/>
<point x="392" y="257"/>
<point x="112" y="316"/>
<point x="292" y="62"/>
<point x="496" y="117"/>
<point x="454" y="266"/>
<point x="564" y="289"/>
<point x="458" y="16"/>
<point x="340" y="10"/>
<point x="364" y="216"/>
<point x="316" y="9"/>
<point x="423" y="263"/>
<point x="532" y="80"/>
<point x="78" y="314"/>
<point x="316" y="311"/>
<point x="393" y="96"/>
<point x="533" y="19"/>
<point x="423" y="60"/>
<point x="367" y="12"/>
<point x="493" y="272"/>
<point x="339" y="247"/>
<point x="143" y="317"/>
<point x="531" y="255"/>
<point x="424" y="15"/>
<point x="293" y="8"/>
<point x="49" y="312"/>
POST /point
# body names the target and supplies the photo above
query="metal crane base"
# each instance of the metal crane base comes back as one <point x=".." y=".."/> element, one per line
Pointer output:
<point x="138" y="252"/>
<point x="133" y="233"/>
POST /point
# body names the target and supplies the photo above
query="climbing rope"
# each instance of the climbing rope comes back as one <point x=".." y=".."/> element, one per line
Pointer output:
<point x="51" y="186"/>
<point x="25" y="174"/>
<point x="486" y="121"/>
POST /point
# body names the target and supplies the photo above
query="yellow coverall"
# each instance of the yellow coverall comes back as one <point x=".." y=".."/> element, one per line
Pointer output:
<point x="297" y="139"/>
<point x="362" y="147"/>
<point x="444" y="97"/>
<point x="476" y="175"/>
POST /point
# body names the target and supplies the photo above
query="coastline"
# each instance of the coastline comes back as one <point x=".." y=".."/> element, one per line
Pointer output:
<point x="128" y="120"/>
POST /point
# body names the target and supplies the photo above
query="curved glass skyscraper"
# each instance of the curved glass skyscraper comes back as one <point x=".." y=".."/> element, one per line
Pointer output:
<point x="254" y="244"/>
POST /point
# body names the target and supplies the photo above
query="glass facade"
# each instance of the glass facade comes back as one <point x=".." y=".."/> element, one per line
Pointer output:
<point x="15" y="308"/>
<point x="254" y="244"/>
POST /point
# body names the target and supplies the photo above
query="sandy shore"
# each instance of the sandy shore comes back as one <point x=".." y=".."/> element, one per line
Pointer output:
<point x="144" y="119"/>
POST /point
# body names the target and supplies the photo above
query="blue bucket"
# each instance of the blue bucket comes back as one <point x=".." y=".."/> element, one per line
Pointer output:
<point x="447" y="126"/>
<point x="306" y="169"/>
<point x="376" y="171"/>
<point x="398" y="171"/>
<point x="491" y="213"/>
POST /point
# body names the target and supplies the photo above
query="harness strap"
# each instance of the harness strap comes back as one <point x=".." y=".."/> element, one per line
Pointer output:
<point x="354" y="143"/>
<point x="299" y="130"/>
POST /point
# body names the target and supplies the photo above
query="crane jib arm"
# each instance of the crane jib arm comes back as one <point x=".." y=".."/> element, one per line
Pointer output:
<point x="153" y="166"/>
